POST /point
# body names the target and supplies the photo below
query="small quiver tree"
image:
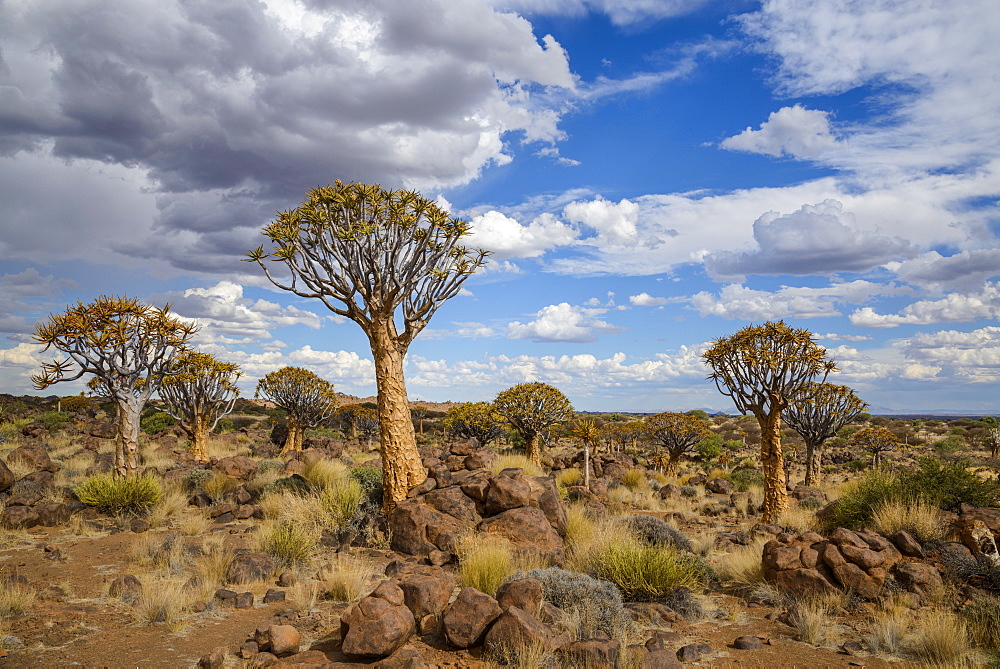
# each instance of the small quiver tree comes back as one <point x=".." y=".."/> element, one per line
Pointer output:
<point x="127" y="347"/>
<point x="474" y="420"/>
<point x="307" y="399"/>
<point x="531" y="408"/>
<point x="676" y="434"/>
<point x="817" y="414"/>
<point x="587" y="431"/>
<point x="762" y="368"/>
<point x="876" y="440"/>
<point x="368" y="253"/>
<point x="199" y="392"/>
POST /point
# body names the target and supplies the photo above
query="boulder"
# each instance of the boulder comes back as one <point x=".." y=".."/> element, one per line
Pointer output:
<point x="466" y="619"/>
<point x="919" y="578"/>
<point x="237" y="466"/>
<point x="18" y="518"/>
<point x="454" y="502"/>
<point x="378" y="625"/>
<point x="126" y="587"/>
<point x="426" y="595"/>
<point x="248" y="567"/>
<point x="524" y="593"/>
<point x="526" y="527"/>
<point x="52" y="514"/>
<point x="284" y="640"/>
<point x="418" y="529"/>
<point x="594" y="653"/>
<point x="719" y="486"/>
<point x="516" y="629"/>
<point x="507" y="492"/>
<point x="6" y="476"/>
<point x="35" y="456"/>
<point x="907" y="544"/>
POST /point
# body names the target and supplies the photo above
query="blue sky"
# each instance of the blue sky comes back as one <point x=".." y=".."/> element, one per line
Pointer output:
<point x="650" y="175"/>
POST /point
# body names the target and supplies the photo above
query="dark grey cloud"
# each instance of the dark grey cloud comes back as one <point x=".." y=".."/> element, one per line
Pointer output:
<point x="817" y="239"/>
<point x="231" y="110"/>
<point x="962" y="271"/>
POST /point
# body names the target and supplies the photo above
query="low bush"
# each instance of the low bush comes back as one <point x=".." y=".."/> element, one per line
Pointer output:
<point x="195" y="478"/>
<point x="154" y="422"/>
<point x="114" y="494"/>
<point x="657" y="532"/>
<point x="745" y="478"/>
<point x="341" y="500"/>
<point x="982" y="620"/>
<point x="597" y="602"/>
<point x="53" y="420"/>
<point x="920" y="517"/>
<point x="370" y="479"/>
<point x="634" y="479"/>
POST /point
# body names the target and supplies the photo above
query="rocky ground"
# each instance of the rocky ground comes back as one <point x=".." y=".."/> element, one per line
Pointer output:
<point x="188" y="583"/>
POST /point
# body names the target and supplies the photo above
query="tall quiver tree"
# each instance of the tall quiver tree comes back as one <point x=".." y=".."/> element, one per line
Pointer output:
<point x="817" y="414"/>
<point x="531" y="408"/>
<point x="201" y="390"/>
<point x="763" y="368"/>
<point x="307" y="399"/>
<point x="127" y="347"/>
<point x="676" y="434"/>
<point x="387" y="260"/>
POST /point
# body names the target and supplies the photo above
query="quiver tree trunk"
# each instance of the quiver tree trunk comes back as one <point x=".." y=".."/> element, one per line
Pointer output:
<point x="127" y="443"/>
<point x="199" y="442"/>
<point x="814" y="460"/>
<point x="402" y="467"/>
<point x="773" y="463"/>
<point x="670" y="469"/>
<point x="293" y="442"/>
<point x="533" y="448"/>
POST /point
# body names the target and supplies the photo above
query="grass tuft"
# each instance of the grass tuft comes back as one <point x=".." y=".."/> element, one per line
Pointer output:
<point x="920" y="517"/>
<point x="484" y="562"/>
<point x="117" y="495"/>
<point x="16" y="598"/>
<point x="515" y="461"/>
<point x="643" y="571"/>
<point x="347" y="578"/>
<point x="288" y="543"/>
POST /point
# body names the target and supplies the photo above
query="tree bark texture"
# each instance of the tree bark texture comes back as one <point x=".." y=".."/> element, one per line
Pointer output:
<point x="293" y="442"/>
<point x="199" y="442"/>
<point x="814" y="459"/>
<point x="402" y="467"/>
<point x="534" y="450"/>
<point x="127" y="444"/>
<point x="670" y="469"/>
<point x="773" y="462"/>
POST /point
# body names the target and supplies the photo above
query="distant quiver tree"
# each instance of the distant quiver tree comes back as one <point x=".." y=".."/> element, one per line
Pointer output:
<point x="763" y="368"/>
<point x="386" y="260"/>
<point x="478" y="420"/>
<point x="308" y="400"/>
<point x="817" y="414"/>
<point x="677" y="434"/>
<point x="531" y="408"/>
<point x="200" y="390"/>
<point x="127" y="346"/>
<point x="876" y="440"/>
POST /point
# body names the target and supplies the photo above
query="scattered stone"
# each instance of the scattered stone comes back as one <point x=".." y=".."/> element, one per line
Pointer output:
<point x="126" y="587"/>
<point x="225" y="598"/>
<point x="516" y="629"/>
<point x="747" y="643"/>
<point x="249" y="649"/>
<point x="273" y="595"/>
<point x="378" y="625"/>
<point x="524" y="593"/>
<point x="249" y="567"/>
<point x="693" y="652"/>
<point x="594" y="653"/>
<point x="851" y="648"/>
<point x="286" y="579"/>
<point x="244" y="600"/>
<point x="907" y="544"/>
<point x="213" y="660"/>
<point x="284" y="640"/>
<point x="138" y="525"/>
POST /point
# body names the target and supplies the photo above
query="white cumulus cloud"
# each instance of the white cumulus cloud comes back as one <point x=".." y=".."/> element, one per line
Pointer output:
<point x="794" y="131"/>
<point x="562" y="322"/>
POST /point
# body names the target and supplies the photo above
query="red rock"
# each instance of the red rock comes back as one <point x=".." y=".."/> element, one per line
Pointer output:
<point x="284" y="640"/>
<point x="466" y="619"/>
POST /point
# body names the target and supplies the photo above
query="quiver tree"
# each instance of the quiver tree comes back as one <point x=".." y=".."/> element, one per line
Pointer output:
<point x="474" y="420"/>
<point x="199" y="392"/>
<point x="420" y="414"/>
<point x="307" y="399"/>
<point x="817" y="414"/>
<point x="587" y="431"/>
<point x="127" y="347"/>
<point x="676" y="434"/>
<point x="386" y="260"/>
<point x="992" y="426"/>
<point x="619" y="435"/>
<point x="531" y="408"/>
<point x="876" y="440"/>
<point x="763" y="368"/>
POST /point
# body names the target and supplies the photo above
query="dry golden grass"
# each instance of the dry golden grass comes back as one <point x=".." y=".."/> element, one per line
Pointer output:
<point x="304" y="595"/>
<point x="80" y="527"/>
<point x="173" y="501"/>
<point x="212" y="565"/>
<point x="228" y="446"/>
<point x="161" y="601"/>
<point x="194" y="524"/>
<point x="921" y="517"/>
<point x="580" y="526"/>
<point x="569" y="477"/>
<point x="16" y="598"/>
<point x="348" y="578"/>
<point x="291" y="544"/>
<point x="940" y="638"/>
<point x="515" y="461"/>
<point x="158" y="551"/>
<point x="523" y="656"/>
<point x="218" y="484"/>
<point x="484" y="562"/>
<point x="797" y="519"/>
<point x="635" y="479"/>
<point x="889" y="626"/>
<point x="741" y="569"/>
<point x="325" y="473"/>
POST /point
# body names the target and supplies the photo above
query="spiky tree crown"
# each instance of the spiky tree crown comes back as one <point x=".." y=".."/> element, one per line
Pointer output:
<point x="306" y="397"/>
<point x="532" y="407"/>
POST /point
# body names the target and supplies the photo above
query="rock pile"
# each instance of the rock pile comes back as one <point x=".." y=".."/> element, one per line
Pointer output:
<point x="859" y="562"/>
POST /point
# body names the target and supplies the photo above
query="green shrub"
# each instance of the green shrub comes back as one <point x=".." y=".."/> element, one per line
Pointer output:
<point x="196" y="478"/>
<point x="950" y="484"/>
<point x="53" y="420"/>
<point x="711" y="447"/>
<point x="114" y="494"/>
<point x="370" y="479"/>
<point x="689" y="491"/>
<point x="224" y="426"/>
<point x="856" y="508"/>
<point x="154" y="422"/>
<point x="856" y="465"/>
<point x="744" y="478"/>
<point x="811" y="503"/>
<point x="644" y="572"/>
<point x="950" y="445"/>
<point x="341" y="501"/>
